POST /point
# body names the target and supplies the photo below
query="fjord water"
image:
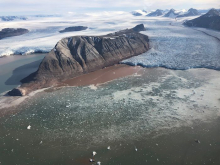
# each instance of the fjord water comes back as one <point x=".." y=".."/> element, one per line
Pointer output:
<point x="162" y="117"/>
<point x="14" y="68"/>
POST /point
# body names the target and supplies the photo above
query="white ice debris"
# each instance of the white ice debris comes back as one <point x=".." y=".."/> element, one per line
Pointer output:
<point x="93" y="87"/>
<point x="178" y="47"/>
<point x="135" y="149"/>
<point x="91" y="160"/>
<point x="108" y="148"/>
<point x="94" y="153"/>
<point x="29" y="127"/>
<point x="98" y="163"/>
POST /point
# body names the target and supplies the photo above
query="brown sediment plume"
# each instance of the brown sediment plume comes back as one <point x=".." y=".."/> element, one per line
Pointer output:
<point x="103" y="75"/>
<point x="78" y="55"/>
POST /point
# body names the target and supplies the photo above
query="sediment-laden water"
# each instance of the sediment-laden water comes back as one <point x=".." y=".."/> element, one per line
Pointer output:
<point x="162" y="117"/>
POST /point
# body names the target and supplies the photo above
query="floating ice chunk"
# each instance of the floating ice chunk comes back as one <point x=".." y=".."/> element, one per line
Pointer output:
<point x="67" y="106"/>
<point x="136" y="149"/>
<point x="98" y="163"/>
<point x="94" y="153"/>
<point x="91" y="160"/>
<point x="29" y="127"/>
<point x="108" y="148"/>
<point x="41" y="142"/>
<point x="93" y="87"/>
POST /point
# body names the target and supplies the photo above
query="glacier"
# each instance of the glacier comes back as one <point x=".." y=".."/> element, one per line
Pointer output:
<point x="173" y="46"/>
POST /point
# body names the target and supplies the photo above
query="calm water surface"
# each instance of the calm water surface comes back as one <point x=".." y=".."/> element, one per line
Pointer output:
<point x="15" y="68"/>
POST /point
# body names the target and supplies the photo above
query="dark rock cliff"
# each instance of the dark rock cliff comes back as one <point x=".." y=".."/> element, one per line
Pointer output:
<point x="77" y="55"/>
<point x="209" y="20"/>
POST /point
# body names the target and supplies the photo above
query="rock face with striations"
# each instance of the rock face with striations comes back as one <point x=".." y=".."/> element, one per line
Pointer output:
<point x="10" y="32"/>
<point x="73" y="56"/>
<point x="209" y="20"/>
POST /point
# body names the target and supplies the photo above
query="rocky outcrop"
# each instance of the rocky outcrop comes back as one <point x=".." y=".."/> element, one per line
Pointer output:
<point x="10" y="32"/>
<point x="209" y="20"/>
<point x="73" y="56"/>
<point x="73" y="28"/>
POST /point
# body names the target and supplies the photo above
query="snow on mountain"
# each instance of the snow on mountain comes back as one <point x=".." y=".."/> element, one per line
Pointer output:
<point x="156" y="13"/>
<point x="172" y="13"/>
<point x="190" y="12"/>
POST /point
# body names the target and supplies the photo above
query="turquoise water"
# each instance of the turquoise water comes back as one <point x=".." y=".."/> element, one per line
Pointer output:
<point x="15" y="68"/>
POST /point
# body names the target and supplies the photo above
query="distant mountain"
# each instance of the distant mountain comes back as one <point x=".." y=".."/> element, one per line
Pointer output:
<point x="73" y="28"/>
<point x="139" y="12"/>
<point x="41" y="15"/>
<point x="209" y="20"/>
<point x="190" y="12"/>
<point x="158" y="12"/>
<point x="10" y="32"/>
<point x="12" y="18"/>
<point x="172" y="14"/>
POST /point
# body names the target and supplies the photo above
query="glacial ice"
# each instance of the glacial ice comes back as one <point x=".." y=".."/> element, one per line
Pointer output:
<point x="172" y="45"/>
<point x="177" y="47"/>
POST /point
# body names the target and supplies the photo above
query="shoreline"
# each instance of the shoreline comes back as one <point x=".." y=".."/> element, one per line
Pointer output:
<point x="102" y="76"/>
<point x="28" y="54"/>
<point x="91" y="80"/>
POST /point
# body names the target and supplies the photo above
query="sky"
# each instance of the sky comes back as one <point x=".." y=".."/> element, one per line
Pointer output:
<point x="29" y="7"/>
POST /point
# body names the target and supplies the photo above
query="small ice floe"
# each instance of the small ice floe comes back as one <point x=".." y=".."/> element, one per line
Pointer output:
<point x="108" y="148"/>
<point x="67" y="106"/>
<point x="94" y="153"/>
<point x="98" y="163"/>
<point x="197" y="141"/>
<point x="136" y="149"/>
<point x="91" y="160"/>
<point x="156" y="144"/>
<point x="29" y="127"/>
<point x="93" y="87"/>
<point x="157" y="159"/>
<point x="41" y="142"/>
